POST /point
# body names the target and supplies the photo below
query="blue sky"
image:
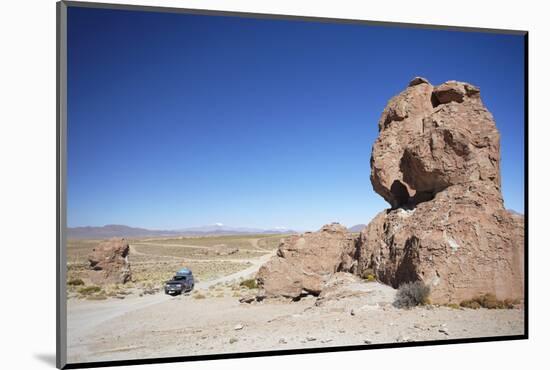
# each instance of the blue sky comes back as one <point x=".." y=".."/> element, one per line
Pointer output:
<point x="181" y="120"/>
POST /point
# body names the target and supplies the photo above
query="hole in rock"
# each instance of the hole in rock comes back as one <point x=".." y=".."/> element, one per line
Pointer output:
<point x="400" y="194"/>
<point x="421" y="196"/>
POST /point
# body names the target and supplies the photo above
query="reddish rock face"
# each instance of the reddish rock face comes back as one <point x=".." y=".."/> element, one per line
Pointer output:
<point x="451" y="244"/>
<point x="305" y="262"/>
<point x="431" y="138"/>
<point x="436" y="162"/>
<point x="109" y="262"/>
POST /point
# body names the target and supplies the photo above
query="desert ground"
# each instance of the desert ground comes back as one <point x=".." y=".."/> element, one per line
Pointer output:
<point x="137" y="320"/>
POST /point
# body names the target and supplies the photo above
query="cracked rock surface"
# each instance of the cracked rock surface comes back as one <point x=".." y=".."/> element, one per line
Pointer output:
<point x="437" y="162"/>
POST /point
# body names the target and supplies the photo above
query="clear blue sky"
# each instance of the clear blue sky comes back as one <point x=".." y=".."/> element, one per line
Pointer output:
<point x="181" y="120"/>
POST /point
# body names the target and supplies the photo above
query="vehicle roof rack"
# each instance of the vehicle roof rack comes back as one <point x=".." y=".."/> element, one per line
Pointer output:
<point x="184" y="271"/>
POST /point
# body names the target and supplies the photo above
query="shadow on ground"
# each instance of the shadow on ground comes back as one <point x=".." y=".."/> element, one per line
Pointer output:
<point x="47" y="358"/>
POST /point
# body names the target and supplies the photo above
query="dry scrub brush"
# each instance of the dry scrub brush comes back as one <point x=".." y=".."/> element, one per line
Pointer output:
<point x="412" y="294"/>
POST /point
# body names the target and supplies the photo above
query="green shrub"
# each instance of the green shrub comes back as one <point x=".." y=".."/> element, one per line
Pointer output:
<point x="89" y="290"/>
<point x="412" y="294"/>
<point x="74" y="282"/>
<point x="370" y="277"/>
<point x="249" y="283"/>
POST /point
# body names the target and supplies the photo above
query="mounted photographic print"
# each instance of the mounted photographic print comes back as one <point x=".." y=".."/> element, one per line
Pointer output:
<point x="235" y="185"/>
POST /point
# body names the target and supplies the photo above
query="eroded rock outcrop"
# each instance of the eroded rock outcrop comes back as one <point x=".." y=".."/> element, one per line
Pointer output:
<point x="436" y="161"/>
<point x="109" y="262"/>
<point x="431" y="138"/>
<point x="304" y="263"/>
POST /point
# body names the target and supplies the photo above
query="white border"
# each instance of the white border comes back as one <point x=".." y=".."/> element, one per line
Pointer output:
<point x="27" y="152"/>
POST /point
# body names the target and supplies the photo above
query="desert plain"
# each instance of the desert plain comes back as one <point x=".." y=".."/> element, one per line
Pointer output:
<point x="137" y="320"/>
<point x="446" y="261"/>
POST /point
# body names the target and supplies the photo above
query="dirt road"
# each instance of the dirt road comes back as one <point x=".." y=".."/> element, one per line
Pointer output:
<point x="84" y="317"/>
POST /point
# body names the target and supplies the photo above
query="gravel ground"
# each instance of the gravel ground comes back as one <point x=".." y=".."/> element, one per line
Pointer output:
<point x="162" y="326"/>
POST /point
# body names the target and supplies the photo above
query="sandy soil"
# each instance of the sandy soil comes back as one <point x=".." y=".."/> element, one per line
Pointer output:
<point x="160" y="325"/>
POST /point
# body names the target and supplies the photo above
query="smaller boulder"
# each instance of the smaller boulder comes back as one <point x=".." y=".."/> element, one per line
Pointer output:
<point x="109" y="262"/>
<point x="305" y="262"/>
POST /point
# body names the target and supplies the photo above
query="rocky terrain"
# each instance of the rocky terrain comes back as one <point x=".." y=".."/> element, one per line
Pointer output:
<point x="437" y="163"/>
<point x="350" y="311"/>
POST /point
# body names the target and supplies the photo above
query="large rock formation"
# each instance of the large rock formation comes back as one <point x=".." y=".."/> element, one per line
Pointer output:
<point x="436" y="161"/>
<point x="109" y="262"/>
<point x="304" y="263"/>
<point x="432" y="138"/>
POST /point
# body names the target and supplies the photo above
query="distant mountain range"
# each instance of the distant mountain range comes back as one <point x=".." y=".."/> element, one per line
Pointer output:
<point x="356" y="228"/>
<point x="515" y="212"/>
<point x="123" y="231"/>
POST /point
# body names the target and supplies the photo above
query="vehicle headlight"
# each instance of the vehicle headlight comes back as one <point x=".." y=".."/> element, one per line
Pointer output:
<point x="178" y="285"/>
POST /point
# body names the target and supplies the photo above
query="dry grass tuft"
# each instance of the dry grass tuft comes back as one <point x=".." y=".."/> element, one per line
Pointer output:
<point x="75" y="282"/>
<point x="489" y="301"/>
<point x="89" y="290"/>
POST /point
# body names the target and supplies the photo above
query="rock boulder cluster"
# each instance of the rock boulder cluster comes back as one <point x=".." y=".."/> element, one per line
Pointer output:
<point x="109" y="262"/>
<point x="436" y="162"/>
